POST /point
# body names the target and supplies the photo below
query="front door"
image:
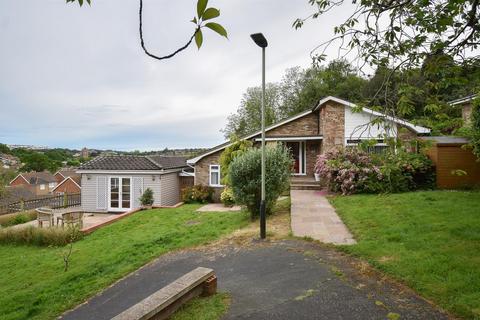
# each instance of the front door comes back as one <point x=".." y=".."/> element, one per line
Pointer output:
<point x="297" y="149"/>
<point x="120" y="195"/>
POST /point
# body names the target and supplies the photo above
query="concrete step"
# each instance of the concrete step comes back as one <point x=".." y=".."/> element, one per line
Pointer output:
<point x="305" y="186"/>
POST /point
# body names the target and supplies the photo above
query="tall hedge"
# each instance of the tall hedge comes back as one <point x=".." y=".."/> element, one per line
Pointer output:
<point x="245" y="177"/>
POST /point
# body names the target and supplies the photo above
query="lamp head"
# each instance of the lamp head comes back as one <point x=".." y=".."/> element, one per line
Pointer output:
<point x="259" y="39"/>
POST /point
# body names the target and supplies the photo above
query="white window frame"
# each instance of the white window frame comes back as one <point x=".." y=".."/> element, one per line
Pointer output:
<point x="120" y="194"/>
<point x="210" y="171"/>
<point x="51" y="185"/>
<point x="42" y="187"/>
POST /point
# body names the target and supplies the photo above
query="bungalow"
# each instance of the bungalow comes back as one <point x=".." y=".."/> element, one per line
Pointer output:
<point x="115" y="183"/>
<point x="41" y="183"/>
<point x="331" y="123"/>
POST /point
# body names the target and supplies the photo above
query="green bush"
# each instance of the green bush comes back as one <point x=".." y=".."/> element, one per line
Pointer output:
<point x="12" y="219"/>
<point x="147" y="197"/>
<point x="237" y="148"/>
<point x="227" y="197"/>
<point x="39" y="236"/>
<point x="197" y="194"/>
<point x="245" y="177"/>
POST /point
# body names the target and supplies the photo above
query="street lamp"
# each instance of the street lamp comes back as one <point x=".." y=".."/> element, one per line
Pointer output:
<point x="260" y="40"/>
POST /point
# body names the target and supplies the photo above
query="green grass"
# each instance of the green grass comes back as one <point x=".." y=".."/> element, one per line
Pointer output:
<point x="34" y="285"/>
<point x="209" y="308"/>
<point x="429" y="240"/>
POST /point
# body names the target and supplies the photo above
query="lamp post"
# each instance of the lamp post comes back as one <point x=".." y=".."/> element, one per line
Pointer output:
<point x="260" y="40"/>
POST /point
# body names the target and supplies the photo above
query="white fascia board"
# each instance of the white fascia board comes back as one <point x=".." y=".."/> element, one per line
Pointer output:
<point x="290" y="138"/>
<point x="273" y="126"/>
<point x="417" y="129"/>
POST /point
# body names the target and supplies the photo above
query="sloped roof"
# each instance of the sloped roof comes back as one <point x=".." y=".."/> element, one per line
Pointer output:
<point x="76" y="179"/>
<point x="462" y="100"/>
<point x="134" y="163"/>
<point x="417" y="129"/>
<point x="169" y="162"/>
<point x="39" y="177"/>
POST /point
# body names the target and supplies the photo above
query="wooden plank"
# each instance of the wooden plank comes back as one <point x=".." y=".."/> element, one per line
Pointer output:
<point x="181" y="290"/>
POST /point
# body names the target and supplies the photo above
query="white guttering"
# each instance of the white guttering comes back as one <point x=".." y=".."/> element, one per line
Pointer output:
<point x="291" y="138"/>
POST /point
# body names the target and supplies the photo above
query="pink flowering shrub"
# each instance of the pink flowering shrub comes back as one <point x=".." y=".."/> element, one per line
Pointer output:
<point x="354" y="171"/>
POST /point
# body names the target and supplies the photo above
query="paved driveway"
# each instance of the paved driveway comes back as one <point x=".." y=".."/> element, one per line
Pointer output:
<point x="280" y="280"/>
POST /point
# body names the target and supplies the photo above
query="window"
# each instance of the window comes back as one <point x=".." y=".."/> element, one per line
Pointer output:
<point x="215" y="175"/>
<point x="42" y="187"/>
<point x="51" y="185"/>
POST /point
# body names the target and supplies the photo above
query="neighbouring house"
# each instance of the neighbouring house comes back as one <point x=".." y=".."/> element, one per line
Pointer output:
<point x="69" y="181"/>
<point x="8" y="161"/>
<point x="115" y="183"/>
<point x="456" y="166"/>
<point x="466" y="103"/>
<point x="42" y="183"/>
<point x="331" y="123"/>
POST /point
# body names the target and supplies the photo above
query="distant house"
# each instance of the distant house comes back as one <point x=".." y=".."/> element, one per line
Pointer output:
<point x="115" y="183"/>
<point x="41" y="183"/>
<point x="68" y="182"/>
<point x="332" y="123"/>
<point x="8" y="161"/>
<point x="467" y="105"/>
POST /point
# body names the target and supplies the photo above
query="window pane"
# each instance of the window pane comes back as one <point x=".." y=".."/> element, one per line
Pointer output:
<point x="126" y="204"/>
<point x="114" y="203"/>
<point x="215" y="179"/>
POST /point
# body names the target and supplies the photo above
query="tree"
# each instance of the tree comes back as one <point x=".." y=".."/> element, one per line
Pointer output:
<point x="245" y="176"/>
<point x="299" y="90"/>
<point x="203" y="14"/>
<point x="247" y="119"/>
<point x="403" y="35"/>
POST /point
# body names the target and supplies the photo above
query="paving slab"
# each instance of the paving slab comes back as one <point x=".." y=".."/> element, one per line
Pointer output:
<point x="313" y="216"/>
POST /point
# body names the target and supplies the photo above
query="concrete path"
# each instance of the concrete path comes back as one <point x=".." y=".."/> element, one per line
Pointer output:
<point x="280" y="280"/>
<point x="313" y="216"/>
<point x="218" y="207"/>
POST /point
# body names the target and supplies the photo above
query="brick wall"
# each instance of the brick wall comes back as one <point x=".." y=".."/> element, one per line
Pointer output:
<point x="67" y="187"/>
<point x="304" y="126"/>
<point x="332" y="125"/>
<point x="202" y="171"/>
<point x="467" y="113"/>
<point x="312" y="151"/>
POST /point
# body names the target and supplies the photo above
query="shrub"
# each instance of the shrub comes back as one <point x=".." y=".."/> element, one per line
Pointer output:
<point x="197" y="194"/>
<point x="237" y="148"/>
<point x="227" y="197"/>
<point x="245" y="176"/>
<point x="354" y="171"/>
<point x="11" y="219"/>
<point x="39" y="236"/>
<point x="147" y="197"/>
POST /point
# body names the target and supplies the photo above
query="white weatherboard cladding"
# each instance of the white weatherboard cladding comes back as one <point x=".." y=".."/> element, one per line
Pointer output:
<point x="355" y="126"/>
<point x="101" y="193"/>
<point x="138" y="190"/>
<point x="95" y="189"/>
<point x="170" y="189"/>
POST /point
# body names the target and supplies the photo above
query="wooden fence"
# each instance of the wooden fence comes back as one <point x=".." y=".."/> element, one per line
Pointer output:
<point x="54" y="202"/>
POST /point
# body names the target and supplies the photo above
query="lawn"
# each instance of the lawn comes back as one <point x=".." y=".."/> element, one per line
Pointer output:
<point x="34" y="285"/>
<point x="429" y="240"/>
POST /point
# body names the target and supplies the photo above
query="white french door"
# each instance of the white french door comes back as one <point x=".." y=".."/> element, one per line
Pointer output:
<point x="119" y="194"/>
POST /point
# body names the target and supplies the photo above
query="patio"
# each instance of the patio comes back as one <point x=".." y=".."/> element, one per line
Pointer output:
<point x="90" y="219"/>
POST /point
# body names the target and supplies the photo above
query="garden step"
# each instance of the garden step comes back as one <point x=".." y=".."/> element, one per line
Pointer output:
<point x="306" y="186"/>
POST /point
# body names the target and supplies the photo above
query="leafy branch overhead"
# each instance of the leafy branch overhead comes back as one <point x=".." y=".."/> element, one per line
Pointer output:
<point x="203" y="14"/>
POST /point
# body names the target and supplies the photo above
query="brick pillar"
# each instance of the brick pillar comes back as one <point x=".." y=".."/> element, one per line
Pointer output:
<point x="332" y="126"/>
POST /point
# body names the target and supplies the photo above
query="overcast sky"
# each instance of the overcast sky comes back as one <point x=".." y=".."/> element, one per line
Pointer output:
<point x="74" y="77"/>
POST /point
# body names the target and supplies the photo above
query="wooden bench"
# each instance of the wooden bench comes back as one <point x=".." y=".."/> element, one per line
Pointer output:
<point x="164" y="302"/>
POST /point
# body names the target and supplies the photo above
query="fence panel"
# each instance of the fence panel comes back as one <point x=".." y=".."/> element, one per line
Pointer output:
<point x="54" y="202"/>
